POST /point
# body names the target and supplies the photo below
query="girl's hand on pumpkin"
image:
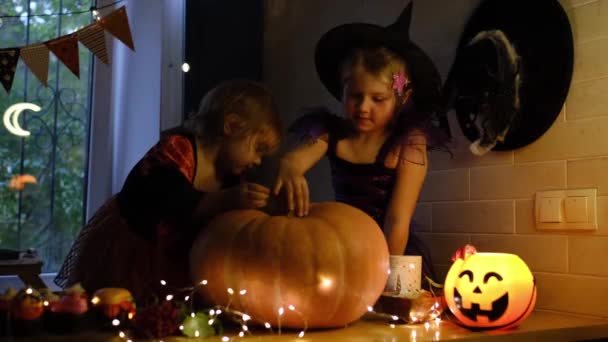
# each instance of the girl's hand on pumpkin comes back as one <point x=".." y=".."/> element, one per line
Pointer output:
<point x="248" y="196"/>
<point x="296" y="187"/>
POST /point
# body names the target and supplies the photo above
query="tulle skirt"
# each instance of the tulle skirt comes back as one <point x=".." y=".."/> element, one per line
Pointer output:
<point x="108" y="253"/>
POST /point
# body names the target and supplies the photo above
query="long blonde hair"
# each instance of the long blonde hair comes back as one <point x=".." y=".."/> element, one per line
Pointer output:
<point x="378" y="61"/>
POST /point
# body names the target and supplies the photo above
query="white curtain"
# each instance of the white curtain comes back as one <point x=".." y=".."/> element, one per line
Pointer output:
<point x="126" y="111"/>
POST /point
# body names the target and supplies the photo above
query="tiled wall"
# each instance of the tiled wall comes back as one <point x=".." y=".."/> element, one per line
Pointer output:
<point x="487" y="201"/>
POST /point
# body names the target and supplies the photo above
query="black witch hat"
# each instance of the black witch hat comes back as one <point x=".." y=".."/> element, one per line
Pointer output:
<point x="338" y="42"/>
<point x="512" y="73"/>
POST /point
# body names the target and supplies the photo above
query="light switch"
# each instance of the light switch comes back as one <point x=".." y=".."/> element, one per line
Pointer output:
<point x="576" y="209"/>
<point x="551" y="209"/>
<point x="564" y="210"/>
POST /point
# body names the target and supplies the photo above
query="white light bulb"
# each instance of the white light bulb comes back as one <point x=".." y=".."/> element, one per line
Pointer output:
<point x="185" y="67"/>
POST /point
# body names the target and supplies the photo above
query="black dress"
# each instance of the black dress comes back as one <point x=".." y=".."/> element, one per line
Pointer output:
<point x="143" y="234"/>
<point x="365" y="186"/>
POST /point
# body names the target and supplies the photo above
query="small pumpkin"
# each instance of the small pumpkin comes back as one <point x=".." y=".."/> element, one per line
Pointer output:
<point x="114" y="302"/>
<point x="328" y="267"/>
<point x="27" y="305"/>
<point x="490" y="290"/>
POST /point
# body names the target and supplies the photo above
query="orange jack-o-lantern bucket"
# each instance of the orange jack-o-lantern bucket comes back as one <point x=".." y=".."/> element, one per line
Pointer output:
<point x="490" y="290"/>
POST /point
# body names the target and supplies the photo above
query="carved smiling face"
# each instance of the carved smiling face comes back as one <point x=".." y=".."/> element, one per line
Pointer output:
<point x="490" y="290"/>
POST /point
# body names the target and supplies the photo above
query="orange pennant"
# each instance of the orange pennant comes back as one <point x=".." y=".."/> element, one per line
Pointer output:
<point x="66" y="49"/>
<point x="36" y="57"/>
<point x="117" y="23"/>
<point x="94" y="38"/>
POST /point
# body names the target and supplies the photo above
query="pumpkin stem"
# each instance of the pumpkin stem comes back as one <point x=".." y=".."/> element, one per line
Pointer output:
<point x="433" y="283"/>
<point x="277" y="206"/>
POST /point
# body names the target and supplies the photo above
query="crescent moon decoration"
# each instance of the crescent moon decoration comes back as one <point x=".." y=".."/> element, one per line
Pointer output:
<point x="11" y="117"/>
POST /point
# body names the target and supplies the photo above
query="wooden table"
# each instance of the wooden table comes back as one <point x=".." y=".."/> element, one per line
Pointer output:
<point x="540" y="326"/>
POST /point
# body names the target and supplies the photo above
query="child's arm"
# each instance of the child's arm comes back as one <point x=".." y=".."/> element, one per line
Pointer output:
<point x="292" y="167"/>
<point x="243" y="196"/>
<point x="411" y="171"/>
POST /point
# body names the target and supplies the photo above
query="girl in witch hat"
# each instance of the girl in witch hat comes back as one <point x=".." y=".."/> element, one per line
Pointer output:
<point x="390" y="91"/>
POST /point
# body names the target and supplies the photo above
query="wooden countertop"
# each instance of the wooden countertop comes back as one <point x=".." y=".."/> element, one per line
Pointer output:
<point x="540" y="326"/>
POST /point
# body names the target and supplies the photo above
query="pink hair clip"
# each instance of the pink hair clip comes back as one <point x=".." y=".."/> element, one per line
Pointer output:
<point x="399" y="82"/>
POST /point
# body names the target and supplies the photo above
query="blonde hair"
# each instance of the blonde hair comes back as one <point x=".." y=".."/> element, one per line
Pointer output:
<point x="378" y="61"/>
<point x="250" y="101"/>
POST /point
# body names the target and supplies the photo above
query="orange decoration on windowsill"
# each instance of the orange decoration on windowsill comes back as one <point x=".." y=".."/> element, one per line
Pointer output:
<point x="18" y="182"/>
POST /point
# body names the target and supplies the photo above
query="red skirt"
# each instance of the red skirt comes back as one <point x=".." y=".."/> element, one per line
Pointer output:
<point x="108" y="253"/>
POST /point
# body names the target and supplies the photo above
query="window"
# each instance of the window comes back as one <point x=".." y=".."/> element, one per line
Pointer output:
<point x="48" y="215"/>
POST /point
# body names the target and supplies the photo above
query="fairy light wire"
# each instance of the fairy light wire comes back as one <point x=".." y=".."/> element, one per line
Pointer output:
<point x="91" y="9"/>
<point x="242" y="318"/>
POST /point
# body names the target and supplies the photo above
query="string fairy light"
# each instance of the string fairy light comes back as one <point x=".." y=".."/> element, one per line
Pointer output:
<point x="94" y="10"/>
<point x="242" y="318"/>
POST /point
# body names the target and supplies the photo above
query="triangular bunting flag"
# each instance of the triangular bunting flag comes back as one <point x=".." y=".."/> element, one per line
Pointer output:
<point x="94" y="38"/>
<point x="66" y="49"/>
<point x="36" y="57"/>
<point x="8" y="65"/>
<point x="117" y="23"/>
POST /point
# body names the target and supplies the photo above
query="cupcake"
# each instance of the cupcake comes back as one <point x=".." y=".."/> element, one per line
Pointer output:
<point x="26" y="312"/>
<point x="5" y="305"/>
<point x="113" y="307"/>
<point x="69" y="313"/>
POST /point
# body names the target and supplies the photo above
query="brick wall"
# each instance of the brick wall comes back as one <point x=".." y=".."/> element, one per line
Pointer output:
<point x="487" y="201"/>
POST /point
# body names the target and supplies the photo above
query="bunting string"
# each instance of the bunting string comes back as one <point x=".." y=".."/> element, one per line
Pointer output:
<point x="92" y="9"/>
<point x="65" y="48"/>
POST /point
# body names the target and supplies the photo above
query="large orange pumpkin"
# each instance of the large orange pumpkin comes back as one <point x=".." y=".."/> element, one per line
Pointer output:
<point x="330" y="265"/>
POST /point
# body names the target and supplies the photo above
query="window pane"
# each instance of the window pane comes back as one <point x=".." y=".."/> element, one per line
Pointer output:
<point x="46" y="216"/>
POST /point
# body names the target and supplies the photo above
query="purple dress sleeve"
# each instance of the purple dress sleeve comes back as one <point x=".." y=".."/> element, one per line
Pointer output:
<point x="319" y="123"/>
